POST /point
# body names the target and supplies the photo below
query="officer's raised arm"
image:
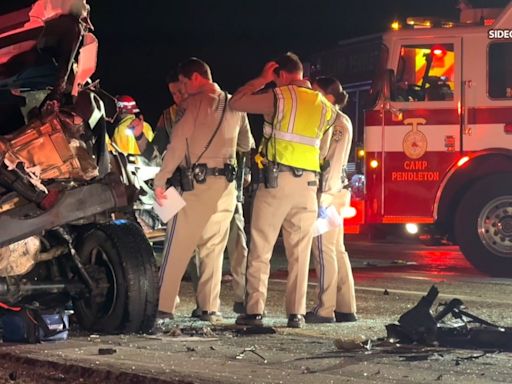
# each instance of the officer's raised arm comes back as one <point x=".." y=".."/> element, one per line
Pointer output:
<point x="245" y="100"/>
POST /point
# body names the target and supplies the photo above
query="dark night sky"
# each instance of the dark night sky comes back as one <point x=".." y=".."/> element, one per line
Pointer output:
<point x="140" y="40"/>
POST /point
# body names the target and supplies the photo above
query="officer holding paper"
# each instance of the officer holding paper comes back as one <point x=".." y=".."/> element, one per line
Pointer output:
<point x="202" y="149"/>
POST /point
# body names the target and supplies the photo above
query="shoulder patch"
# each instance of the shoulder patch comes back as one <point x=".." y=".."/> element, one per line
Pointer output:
<point x="337" y="134"/>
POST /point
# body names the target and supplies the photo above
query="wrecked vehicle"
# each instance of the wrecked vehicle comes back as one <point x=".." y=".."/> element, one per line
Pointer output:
<point x="67" y="228"/>
<point x="451" y="326"/>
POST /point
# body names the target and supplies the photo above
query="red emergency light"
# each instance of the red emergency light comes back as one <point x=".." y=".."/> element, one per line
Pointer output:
<point x="438" y="51"/>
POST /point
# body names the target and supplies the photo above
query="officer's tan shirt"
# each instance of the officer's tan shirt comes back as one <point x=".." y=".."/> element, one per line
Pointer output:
<point x="192" y="132"/>
<point x="264" y="104"/>
<point x="337" y="155"/>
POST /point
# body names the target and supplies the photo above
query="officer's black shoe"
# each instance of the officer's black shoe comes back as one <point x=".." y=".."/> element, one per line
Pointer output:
<point x="165" y="315"/>
<point x="212" y="316"/>
<point x="255" y="320"/>
<point x="342" y="317"/>
<point x="196" y="313"/>
<point x="295" y="321"/>
<point x="238" y="307"/>
<point x="312" y="318"/>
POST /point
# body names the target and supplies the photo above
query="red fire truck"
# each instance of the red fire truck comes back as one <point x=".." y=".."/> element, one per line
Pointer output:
<point x="431" y="103"/>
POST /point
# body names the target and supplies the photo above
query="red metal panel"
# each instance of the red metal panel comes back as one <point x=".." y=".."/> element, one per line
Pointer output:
<point x="410" y="186"/>
<point x="496" y="115"/>
<point x="433" y="117"/>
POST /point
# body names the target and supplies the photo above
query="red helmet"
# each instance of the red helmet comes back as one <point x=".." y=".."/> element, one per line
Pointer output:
<point x="127" y="104"/>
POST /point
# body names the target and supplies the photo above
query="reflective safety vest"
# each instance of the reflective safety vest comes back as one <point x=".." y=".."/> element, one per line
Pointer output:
<point x="124" y="138"/>
<point x="301" y="118"/>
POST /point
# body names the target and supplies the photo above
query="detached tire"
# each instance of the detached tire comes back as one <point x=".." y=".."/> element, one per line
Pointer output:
<point x="483" y="225"/>
<point x="119" y="259"/>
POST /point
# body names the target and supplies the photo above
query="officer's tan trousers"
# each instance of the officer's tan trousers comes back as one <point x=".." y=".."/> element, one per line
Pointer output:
<point x="202" y="223"/>
<point x="334" y="272"/>
<point x="292" y="205"/>
<point x="237" y="252"/>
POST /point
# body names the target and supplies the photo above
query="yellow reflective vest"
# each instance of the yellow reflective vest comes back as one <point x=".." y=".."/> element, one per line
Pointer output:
<point x="301" y="118"/>
<point x="124" y="138"/>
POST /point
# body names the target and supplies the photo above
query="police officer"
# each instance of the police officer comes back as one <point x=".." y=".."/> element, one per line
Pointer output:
<point x="237" y="241"/>
<point x="296" y="136"/>
<point x="202" y="145"/>
<point x="336" y="294"/>
<point x="155" y="149"/>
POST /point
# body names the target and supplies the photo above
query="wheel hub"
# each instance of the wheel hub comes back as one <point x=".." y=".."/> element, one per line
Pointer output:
<point x="495" y="226"/>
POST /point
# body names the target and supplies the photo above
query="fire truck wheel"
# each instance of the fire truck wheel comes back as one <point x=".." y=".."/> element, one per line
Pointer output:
<point x="483" y="225"/>
<point x="120" y="261"/>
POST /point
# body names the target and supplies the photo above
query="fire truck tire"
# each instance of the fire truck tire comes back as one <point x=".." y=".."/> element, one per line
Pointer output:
<point x="119" y="259"/>
<point x="483" y="225"/>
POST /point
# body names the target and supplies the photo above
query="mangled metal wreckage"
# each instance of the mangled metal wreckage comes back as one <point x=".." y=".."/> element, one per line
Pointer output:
<point x="66" y="232"/>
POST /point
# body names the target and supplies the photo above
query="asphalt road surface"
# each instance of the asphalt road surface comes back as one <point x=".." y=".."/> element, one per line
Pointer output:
<point x="390" y="279"/>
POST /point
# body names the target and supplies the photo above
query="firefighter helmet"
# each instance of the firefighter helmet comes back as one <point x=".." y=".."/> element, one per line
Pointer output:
<point x="127" y="104"/>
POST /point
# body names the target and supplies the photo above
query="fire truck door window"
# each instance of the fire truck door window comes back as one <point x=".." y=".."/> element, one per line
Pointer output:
<point x="425" y="72"/>
<point x="500" y="70"/>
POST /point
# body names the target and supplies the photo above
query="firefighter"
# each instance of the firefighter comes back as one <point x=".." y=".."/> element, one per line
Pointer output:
<point x="202" y="147"/>
<point x="131" y="127"/>
<point x="294" y="141"/>
<point x="336" y="294"/>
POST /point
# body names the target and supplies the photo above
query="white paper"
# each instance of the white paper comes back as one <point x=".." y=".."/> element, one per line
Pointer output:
<point x="332" y="220"/>
<point x="171" y="206"/>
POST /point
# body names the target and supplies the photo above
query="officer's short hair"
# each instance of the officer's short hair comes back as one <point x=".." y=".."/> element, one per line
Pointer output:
<point x="171" y="77"/>
<point x="194" y="65"/>
<point x="289" y="62"/>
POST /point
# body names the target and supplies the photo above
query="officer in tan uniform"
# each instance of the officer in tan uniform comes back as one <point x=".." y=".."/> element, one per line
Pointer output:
<point x="202" y="148"/>
<point x="336" y="294"/>
<point x="296" y="136"/>
<point x="237" y="241"/>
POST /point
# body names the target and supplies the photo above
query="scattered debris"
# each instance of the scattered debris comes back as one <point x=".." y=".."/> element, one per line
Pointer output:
<point x="175" y="332"/>
<point x="305" y="370"/>
<point x="251" y="349"/>
<point x="191" y="349"/>
<point x="106" y="351"/>
<point x="357" y="343"/>
<point x="13" y="376"/>
<point x="462" y="330"/>
<point x="386" y="292"/>
<point x="94" y="338"/>
<point x="57" y="377"/>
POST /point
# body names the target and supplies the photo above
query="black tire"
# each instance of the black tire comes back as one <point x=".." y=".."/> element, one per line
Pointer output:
<point x="483" y="225"/>
<point x="120" y="259"/>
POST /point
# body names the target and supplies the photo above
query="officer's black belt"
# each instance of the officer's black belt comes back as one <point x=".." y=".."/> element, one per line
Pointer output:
<point x="294" y="170"/>
<point x="215" y="172"/>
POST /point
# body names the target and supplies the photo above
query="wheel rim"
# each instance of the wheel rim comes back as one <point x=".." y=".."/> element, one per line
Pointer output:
<point x="102" y="303"/>
<point x="495" y="226"/>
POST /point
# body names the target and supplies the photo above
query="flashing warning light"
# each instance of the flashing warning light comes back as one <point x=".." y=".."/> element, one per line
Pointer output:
<point x="395" y="25"/>
<point x="462" y="161"/>
<point x="419" y="22"/>
<point x="374" y="164"/>
<point x="360" y="153"/>
<point x="438" y="51"/>
<point x="489" y="22"/>
<point x="411" y="228"/>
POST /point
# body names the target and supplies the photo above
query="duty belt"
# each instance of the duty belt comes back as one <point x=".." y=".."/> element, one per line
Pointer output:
<point x="296" y="171"/>
<point x="215" y="172"/>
